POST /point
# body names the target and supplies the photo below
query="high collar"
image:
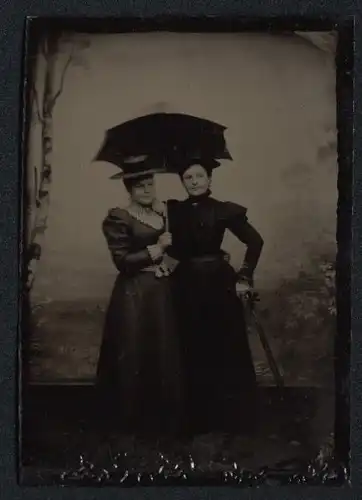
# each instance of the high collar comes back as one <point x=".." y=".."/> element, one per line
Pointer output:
<point x="200" y="198"/>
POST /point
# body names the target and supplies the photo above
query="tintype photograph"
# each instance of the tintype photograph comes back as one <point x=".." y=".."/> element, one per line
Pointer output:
<point x="179" y="315"/>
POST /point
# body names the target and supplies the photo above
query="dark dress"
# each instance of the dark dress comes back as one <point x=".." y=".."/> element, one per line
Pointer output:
<point x="220" y="376"/>
<point x="139" y="377"/>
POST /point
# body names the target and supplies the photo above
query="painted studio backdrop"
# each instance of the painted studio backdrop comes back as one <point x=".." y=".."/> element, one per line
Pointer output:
<point x="275" y="95"/>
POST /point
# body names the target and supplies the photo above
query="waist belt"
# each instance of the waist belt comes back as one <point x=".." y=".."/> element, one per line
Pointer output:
<point x="207" y="258"/>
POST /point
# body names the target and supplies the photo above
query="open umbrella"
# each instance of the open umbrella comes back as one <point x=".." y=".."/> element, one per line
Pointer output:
<point x="165" y="137"/>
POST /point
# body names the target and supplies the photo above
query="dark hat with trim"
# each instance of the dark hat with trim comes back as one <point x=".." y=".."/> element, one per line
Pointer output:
<point x="209" y="164"/>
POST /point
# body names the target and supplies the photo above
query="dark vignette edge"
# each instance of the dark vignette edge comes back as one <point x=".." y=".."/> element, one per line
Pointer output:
<point x="334" y="471"/>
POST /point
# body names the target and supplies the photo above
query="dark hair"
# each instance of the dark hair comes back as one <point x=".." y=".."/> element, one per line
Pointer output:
<point x="133" y="181"/>
<point x="208" y="165"/>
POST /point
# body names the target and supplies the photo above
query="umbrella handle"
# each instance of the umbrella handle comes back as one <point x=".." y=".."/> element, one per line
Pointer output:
<point x="167" y="224"/>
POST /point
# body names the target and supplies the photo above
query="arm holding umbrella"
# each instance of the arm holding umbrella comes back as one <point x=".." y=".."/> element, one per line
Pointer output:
<point x="116" y="231"/>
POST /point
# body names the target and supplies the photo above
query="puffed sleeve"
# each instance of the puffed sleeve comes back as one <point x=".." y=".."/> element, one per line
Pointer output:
<point x="117" y="231"/>
<point x="237" y="222"/>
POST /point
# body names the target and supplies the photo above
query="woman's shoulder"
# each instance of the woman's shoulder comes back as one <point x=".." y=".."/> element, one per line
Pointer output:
<point x="172" y="202"/>
<point x="229" y="209"/>
<point x="116" y="215"/>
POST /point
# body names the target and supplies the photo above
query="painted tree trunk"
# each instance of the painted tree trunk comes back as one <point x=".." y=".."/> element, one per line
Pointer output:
<point x="37" y="233"/>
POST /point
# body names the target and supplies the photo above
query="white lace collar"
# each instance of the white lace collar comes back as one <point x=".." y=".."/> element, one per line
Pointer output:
<point x="147" y="217"/>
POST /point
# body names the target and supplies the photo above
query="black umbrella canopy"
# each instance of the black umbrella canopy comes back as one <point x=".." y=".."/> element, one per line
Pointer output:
<point x="167" y="137"/>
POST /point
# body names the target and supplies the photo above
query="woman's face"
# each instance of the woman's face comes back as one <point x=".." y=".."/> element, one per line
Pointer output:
<point x="196" y="180"/>
<point x="143" y="191"/>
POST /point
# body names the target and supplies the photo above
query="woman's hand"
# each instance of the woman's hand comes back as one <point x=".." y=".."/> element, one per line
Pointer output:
<point x="165" y="240"/>
<point x="242" y="288"/>
<point x="247" y="293"/>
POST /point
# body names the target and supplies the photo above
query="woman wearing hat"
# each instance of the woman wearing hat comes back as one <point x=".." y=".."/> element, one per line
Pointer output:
<point x="139" y="369"/>
<point x="220" y="377"/>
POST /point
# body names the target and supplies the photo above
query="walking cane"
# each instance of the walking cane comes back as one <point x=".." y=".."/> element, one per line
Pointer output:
<point x="250" y="299"/>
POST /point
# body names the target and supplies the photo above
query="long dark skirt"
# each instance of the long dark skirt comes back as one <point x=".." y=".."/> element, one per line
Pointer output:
<point x="220" y="377"/>
<point x="139" y="379"/>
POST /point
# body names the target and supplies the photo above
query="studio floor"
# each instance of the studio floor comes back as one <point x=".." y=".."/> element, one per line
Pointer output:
<point x="58" y="426"/>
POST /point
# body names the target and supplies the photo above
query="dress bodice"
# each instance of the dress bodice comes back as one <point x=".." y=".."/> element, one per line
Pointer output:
<point x="128" y="240"/>
<point x="198" y="226"/>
